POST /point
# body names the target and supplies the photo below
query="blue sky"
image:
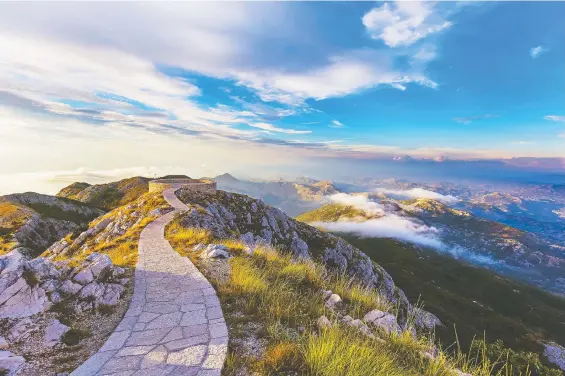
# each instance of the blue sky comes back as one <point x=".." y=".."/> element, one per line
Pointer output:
<point x="271" y="84"/>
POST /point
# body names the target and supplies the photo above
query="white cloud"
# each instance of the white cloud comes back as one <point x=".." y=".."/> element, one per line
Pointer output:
<point x="360" y="202"/>
<point x="391" y="226"/>
<point x="418" y="193"/>
<point x="535" y="52"/>
<point x="336" y="124"/>
<point x="403" y="22"/>
<point x="272" y="128"/>
<point x="342" y="75"/>
<point x="557" y="118"/>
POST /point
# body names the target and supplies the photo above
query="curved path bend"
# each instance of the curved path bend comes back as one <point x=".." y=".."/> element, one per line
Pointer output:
<point x="174" y="324"/>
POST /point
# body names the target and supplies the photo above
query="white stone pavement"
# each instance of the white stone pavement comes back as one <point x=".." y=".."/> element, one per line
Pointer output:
<point x="174" y="325"/>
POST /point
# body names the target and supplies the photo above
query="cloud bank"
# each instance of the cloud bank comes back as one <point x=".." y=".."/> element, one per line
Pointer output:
<point x="389" y="226"/>
<point x="418" y="193"/>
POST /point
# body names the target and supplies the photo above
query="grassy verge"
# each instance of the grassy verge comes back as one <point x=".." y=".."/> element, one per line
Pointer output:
<point x="271" y="303"/>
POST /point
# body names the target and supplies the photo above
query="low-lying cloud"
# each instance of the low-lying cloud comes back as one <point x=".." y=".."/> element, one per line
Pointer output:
<point x="418" y="193"/>
<point x="389" y="226"/>
<point x="359" y="202"/>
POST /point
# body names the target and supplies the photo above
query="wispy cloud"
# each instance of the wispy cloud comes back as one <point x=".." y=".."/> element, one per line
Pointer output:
<point x="470" y="119"/>
<point x="535" y="52"/>
<point x="558" y="118"/>
<point x="418" y="193"/>
<point x="272" y="128"/>
<point x="336" y="124"/>
<point x="402" y="23"/>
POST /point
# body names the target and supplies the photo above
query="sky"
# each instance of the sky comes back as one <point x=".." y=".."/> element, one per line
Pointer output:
<point x="104" y="90"/>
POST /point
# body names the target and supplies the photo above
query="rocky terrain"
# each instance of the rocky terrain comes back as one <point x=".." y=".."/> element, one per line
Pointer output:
<point x="32" y="221"/>
<point x="59" y="308"/>
<point x="252" y="221"/>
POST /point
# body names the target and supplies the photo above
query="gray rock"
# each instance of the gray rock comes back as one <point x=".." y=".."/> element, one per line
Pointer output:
<point x="215" y="251"/>
<point x="333" y="301"/>
<point x="425" y="320"/>
<point x="93" y="290"/>
<point x="323" y="322"/>
<point x="299" y="246"/>
<point x="68" y="287"/>
<point x="53" y="333"/>
<point x="23" y="300"/>
<point x="22" y="329"/>
<point x="382" y="320"/>
<point x="3" y="343"/>
<point x="84" y="277"/>
<point x="50" y="285"/>
<point x="43" y="269"/>
<point x="11" y="262"/>
<point x="10" y="362"/>
<point x="555" y="354"/>
<point x="112" y="294"/>
<point x="100" y="265"/>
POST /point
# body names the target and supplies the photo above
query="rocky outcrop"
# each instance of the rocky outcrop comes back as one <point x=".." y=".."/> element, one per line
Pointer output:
<point x="10" y="363"/>
<point x="44" y="220"/>
<point x="555" y="354"/>
<point x="28" y="287"/>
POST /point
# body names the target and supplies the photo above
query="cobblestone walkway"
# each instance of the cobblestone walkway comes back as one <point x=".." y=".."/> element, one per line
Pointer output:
<point x="174" y="325"/>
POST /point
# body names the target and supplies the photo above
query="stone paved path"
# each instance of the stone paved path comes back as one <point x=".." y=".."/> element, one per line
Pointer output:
<point x="174" y="325"/>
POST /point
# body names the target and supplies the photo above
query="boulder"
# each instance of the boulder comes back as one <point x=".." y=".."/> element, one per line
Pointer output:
<point x="50" y="285"/>
<point x="424" y="319"/>
<point x="10" y="362"/>
<point x="3" y="343"/>
<point x="382" y="320"/>
<point x="323" y="322"/>
<point x="215" y="251"/>
<point x="100" y="265"/>
<point x="112" y="294"/>
<point x="24" y="301"/>
<point x="11" y="262"/>
<point x="333" y="301"/>
<point x="555" y="354"/>
<point x="53" y="333"/>
<point x="93" y="291"/>
<point x="43" y="269"/>
<point x="68" y="287"/>
<point x="84" y="277"/>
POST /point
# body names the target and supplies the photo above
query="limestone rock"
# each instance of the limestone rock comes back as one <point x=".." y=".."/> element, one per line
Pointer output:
<point x="24" y="302"/>
<point x="215" y="251"/>
<point x="425" y="320"/>
<point x="333" y="301"/>
<point x="555" y="354"/>
<point x="84" y="277"/>
<point x="382" y="320"/>
<point x="3" y="343"/>
<point x="68" y="287"/>
<point x="10" y="362"/>
<point x="112" y="294"/>
<point x="323" y="322"/>
<point x="22" y="329"/>
<point x="100" y="265"/>
<point x="53" y="333"/>
<point x="43" y="269"/>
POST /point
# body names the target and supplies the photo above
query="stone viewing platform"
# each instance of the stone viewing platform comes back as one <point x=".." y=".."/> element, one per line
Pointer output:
<point x="200" y="185"/>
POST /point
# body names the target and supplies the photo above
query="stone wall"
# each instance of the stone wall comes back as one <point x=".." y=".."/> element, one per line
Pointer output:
<point x="205" y="186"/>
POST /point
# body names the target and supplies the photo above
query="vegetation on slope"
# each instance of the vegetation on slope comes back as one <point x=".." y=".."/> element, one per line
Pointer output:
<point x="107" y="196"/>
<point x="472" y="300"/>
<point x="332" y="213"/>
<point x="271" y="302"/>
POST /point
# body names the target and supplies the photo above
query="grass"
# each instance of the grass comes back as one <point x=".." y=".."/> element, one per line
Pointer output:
<point x="332" y="213"/>
<point x="472" y="301"/>
<point x="276" y="299"/>
<point x="73" y="336"/>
